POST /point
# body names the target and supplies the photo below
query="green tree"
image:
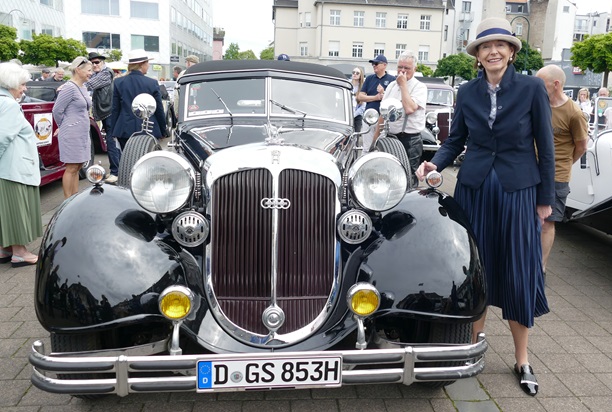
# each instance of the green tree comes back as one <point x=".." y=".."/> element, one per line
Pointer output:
<point x="113" y="55"/>
<point x="9" y="48"/>
<point x="247" y="55"/>
<point x="426" y="70"/>
<point x="528" y="59"/>
<point x="49" y="51"/>
<point x="267" y="54"/>
<point x="456" y="65"/>
<point x="232" y="52"/>
<point x="594" y="53"/>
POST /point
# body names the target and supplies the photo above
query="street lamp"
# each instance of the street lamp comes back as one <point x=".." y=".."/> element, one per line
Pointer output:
<point x="17" y="26"/>
<point x="528" y="29"/>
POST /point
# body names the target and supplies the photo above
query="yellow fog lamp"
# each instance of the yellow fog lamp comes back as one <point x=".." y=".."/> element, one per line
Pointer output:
<point x="363" y="299"/>
<point x="176" y="302"/>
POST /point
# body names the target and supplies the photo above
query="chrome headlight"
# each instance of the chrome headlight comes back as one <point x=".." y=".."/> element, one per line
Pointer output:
<point x="431" y="118"/>
<point x="162" y="181"/>
<point x="378" y="181"/>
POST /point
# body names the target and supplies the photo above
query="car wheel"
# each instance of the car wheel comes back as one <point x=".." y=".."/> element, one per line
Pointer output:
<point x="91" y="161"/>
<point x="169" y="121"/>
<point x="136" y="147"/>
<point x="460" y="333"/>
<point x="76" y="343"/>
<point x="393" y="146"/>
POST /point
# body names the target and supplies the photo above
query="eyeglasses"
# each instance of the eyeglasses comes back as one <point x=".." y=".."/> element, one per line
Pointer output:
<point x="375" y="63"/>
<point x="404" y="68"/>
<point x="356" y="72"/>
<point x="96" y="62"/>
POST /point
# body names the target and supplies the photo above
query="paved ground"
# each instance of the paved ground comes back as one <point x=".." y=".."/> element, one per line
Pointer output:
<point x="571" y="351"/>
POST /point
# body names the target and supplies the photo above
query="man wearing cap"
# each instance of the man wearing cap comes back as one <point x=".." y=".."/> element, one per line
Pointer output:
<point x="413" y="95"/>
<point x="372" y="92"/>
<point x="44" y="75"/>
<point x="189" y="61"/>
<point x="284" y="57"/>
<point x="126" y="88"/>
<point x="100" y="84"/>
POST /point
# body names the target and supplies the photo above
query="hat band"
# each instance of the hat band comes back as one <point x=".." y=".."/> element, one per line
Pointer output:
<point x="494" y="30"/>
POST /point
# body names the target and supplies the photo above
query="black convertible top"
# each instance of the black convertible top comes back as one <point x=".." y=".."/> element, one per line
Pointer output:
<point x="232" y="65"/>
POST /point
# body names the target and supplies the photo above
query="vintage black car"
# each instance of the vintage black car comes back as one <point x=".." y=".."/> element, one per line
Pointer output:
<point x="259" y="251"/>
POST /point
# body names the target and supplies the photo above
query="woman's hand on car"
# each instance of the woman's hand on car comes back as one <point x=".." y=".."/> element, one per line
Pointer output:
<point x="425" y="168"/>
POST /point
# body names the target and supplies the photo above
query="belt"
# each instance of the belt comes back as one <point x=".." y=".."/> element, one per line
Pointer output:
<point x="407" y="134"/>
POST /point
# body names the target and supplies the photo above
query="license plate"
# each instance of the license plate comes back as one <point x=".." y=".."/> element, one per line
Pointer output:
<point x="269" y="373"/>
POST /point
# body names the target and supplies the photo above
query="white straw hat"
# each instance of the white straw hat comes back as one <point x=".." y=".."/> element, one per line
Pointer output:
<point x="137" y="56"/>
<point x="493" y="28"/>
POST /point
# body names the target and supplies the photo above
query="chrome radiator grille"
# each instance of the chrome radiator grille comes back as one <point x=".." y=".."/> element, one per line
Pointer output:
<point x="242" y="235"/>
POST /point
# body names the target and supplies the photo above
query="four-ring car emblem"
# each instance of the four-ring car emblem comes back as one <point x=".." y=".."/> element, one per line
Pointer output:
<point x="275" y="203"/>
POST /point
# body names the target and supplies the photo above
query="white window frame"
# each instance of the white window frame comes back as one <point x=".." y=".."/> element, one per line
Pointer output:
<point x="334" y="17"/>
<point x="379" y="48"/>
<point x="399" y="49"/>
<point x="333" y="48"/>
<point x="425" y="24"/>
<point x="466" y="6"/>
<point x="357" y="50"/>
<point x="519" y="29"/>
<point x="358" y="18"/>
<point x="402" y="21"/>
<point x="381" y="19"/>
<point x="307" y="19"/>
<point x="423" y="53"/>
<point x="303" y="48"/>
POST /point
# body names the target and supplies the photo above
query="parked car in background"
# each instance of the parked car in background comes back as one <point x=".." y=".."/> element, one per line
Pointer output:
<point x="439" y="112"/>
<point x="37" y="107"/>
<point x="261" y="251"/>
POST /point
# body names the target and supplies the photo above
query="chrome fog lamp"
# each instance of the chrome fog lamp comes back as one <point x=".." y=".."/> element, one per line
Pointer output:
<point x="176" y="302"/>
<point x="434" y="179"/>
<point x="95" y="174"/>
<point x="162" y="182"/>
<point x="363" y="299"/>
<point x="378" y="181"/>
<point x="431" y="118"/>
<point x="370" y="116"/>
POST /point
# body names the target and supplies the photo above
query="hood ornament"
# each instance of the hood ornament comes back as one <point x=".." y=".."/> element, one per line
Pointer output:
<point x="273" y="137"/>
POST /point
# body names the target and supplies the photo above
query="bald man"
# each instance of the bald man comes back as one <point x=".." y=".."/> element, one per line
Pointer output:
<point x="570" y="129"/>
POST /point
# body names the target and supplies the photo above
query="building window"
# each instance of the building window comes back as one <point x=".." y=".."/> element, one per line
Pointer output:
<point x="379" y="48"/>
<point x="520" y="8"/>
<point x="144" y="10"/>
<point x="402" y="21"/>
<point x="333" y="49"/>
<point x="466" y="6"/>
<point x="358" y="18"/>
<point x="399" y="49"/>
<point x="357" y="50"/>
<point x="148" y="43"/>
<point x="425" y="22"/>
<point x="307" y="19"/>
<point x="446" y="32"/>
<point x="508" y="9"/>
<point x="104" y="7"/>
<point x="47" y="2"/>
<point x="423" y="53"/>
<point x="303" y="49"/>
<point x="519" y="29"/>
<point x="381" y="20"/>
<point x="334" y="17"/>
<point x="95" y="40"/>
<point x="565" y="9"/>
<point x="46" y="30"/>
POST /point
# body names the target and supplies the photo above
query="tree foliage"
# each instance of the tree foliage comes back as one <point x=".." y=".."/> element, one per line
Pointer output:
<point x="456" y="65"/>
<point x="426" y="70"/>
<point x="232" y="52"/>
<point x="247" y="55"/>
<point x="113" y="55"/>
<point x="528" y="59"/>
<point x="9" y="48"/>
<point x="49" y="51"/>
<point x="267" y="54"/>
<point x="594" y="53"/>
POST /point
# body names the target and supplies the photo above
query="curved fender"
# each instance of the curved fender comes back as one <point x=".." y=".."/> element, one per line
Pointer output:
<point x="102" y="262"/>
<point x="428" y="137"/>
<point x="425" y="261"/>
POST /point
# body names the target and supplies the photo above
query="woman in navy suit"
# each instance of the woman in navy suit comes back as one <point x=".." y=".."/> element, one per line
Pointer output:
<point x="506" y="182"/>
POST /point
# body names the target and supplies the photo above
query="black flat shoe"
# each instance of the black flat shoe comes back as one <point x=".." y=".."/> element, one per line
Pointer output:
<point x="527" y="379"/>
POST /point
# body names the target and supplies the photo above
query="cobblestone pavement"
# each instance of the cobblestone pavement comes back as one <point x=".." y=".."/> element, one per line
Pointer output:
<point x="571" y="351"/>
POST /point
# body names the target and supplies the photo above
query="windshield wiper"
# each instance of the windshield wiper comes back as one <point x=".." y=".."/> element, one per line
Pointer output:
<point x="287" y="108"/>
<point x="224" y="105"/>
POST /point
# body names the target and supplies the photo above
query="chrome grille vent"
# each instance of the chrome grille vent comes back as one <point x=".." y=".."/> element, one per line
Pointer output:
<point x="190" y="229"/>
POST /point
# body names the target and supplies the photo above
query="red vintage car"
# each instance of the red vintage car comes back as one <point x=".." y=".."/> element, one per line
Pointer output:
<point x="37" y="106"/>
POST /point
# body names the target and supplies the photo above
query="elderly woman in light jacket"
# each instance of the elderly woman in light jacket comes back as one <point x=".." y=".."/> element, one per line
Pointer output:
<point x="20" y="221"/>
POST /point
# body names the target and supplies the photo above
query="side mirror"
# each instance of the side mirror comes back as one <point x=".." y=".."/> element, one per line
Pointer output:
<point x="144" y="106"/>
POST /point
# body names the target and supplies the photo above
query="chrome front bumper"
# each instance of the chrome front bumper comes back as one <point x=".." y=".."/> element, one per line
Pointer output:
<point x="125" y="374"/>
<point x="430" y="147"/>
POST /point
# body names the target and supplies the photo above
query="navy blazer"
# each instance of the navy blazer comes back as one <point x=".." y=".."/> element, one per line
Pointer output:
<point x="523" y="117"/>
<point x="124" y="122"/>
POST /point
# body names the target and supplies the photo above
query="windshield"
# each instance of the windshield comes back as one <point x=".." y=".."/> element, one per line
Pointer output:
<point x="239" y="97"/>
<point x="439" y="96"/>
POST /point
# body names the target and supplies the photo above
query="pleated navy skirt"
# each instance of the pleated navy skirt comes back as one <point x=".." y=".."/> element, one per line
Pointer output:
<point x="508" y="233"/>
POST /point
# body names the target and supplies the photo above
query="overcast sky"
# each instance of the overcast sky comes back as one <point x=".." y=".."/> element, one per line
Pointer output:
<point x="246" y="22"/>
<point x="249" y="22"/>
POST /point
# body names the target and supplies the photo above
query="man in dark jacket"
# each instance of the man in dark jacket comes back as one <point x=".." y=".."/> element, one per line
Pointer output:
<point x="126" y="88"/>
<point x="101" y="85"/>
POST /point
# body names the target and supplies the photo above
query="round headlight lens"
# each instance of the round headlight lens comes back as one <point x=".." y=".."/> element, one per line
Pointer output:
<point x="162" y="181"/>
<point x="176" y="302"/>
<point x="431" y="118"/>
<point x="378" y="181"/>
<point x="363" y="299"/>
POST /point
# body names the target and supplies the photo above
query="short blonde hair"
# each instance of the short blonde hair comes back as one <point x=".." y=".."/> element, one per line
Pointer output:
<point x="13" y="75"/>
